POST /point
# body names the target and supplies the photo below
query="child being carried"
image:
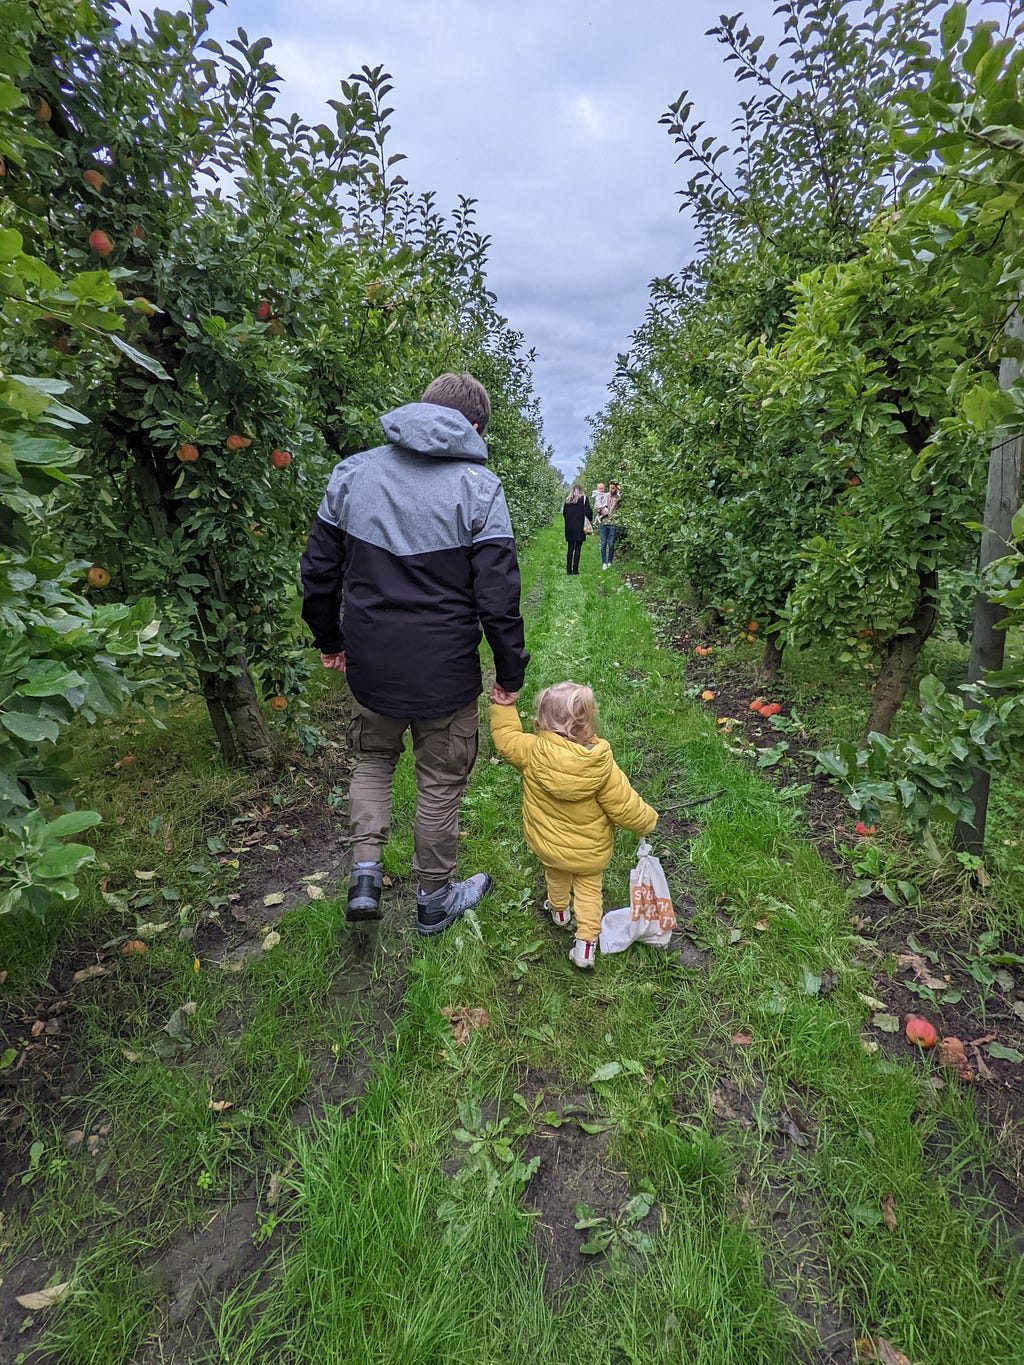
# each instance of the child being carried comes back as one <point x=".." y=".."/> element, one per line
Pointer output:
<point x="574" y="794"/>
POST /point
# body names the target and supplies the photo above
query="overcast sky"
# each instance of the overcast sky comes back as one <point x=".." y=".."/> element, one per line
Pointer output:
<point x="546" y="112"/>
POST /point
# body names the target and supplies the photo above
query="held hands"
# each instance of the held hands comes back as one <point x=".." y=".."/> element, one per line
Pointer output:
<point x="499" y="697"/>
<point x="334" y="661"/>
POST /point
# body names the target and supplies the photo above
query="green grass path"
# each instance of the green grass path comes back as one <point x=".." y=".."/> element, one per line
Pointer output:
<point x="762" y="1243"/>
<point x="744" y="1155"/>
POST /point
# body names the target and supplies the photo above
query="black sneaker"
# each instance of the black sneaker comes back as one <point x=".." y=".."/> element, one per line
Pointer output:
<point x="434" y="913"/>
<point x="364" y="892"/>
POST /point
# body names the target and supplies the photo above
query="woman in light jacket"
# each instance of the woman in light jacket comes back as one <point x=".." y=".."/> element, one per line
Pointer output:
<point x="575" y="510"/>
<point x="606" y="523"/>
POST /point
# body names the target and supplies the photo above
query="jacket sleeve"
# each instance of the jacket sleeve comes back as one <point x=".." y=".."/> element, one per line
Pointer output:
<point x="322" y="567"/>
<point x="588" y="510"/>
<point x="496" y="587"/>
<point x="510" y="740"/>
<point x="624" y="806"/>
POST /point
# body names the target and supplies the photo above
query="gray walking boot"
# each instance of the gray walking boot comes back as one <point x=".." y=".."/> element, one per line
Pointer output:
<point x="434" y="913"/>
<point x="365" y="887"/>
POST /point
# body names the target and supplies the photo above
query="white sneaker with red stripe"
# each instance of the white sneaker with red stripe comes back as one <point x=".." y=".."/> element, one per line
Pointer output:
<point x="582" y="952"/>
<point x="563" y="918"/>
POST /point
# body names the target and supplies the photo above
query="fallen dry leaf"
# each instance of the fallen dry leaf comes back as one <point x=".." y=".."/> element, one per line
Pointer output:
<point x="37" y="1028"/>
<point x="915" y="962"/>
<point x="314" y="892"/>
<point x="218" y="1106"/>
<point x="3" y="977"/>
<point x="878" y="1349"/>
<point x="743" y="1038"/>
<point x="763" y="924"/>
<point x="271" y="941"/>
<point x="144" y="876"/>
<point x="128" y="758"/>
<point x="87" y="973"/>
<point x="889" y="1213"/>
<point x="464" y="1020"/>
<point x="984" y="1070"/>
<point x="274" y="898"/>
<point x="74" y="1139"/>
<point x="45" y="1298"/>
<point x="952" y="1054"/>
<point x="872" y="1002"/>
<point x="134" y="945"/>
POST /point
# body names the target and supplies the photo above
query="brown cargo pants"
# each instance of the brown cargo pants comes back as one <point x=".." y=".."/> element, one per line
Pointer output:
<point x="445" y="751"/>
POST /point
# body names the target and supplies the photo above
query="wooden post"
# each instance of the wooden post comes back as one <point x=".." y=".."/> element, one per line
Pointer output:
<point x="988" y="642"/>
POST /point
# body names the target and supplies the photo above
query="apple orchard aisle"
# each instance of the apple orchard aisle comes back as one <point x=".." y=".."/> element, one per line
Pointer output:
<point x="685" y="1098"/>
<point x="384" y="1149"/>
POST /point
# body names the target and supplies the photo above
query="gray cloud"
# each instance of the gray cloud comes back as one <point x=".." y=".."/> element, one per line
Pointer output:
<point x="548" y="116"/>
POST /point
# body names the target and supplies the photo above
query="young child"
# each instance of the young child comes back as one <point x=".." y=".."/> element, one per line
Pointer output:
<point x="574" y="794"/>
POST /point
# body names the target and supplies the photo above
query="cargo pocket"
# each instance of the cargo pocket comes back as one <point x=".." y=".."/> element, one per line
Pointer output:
<point x="365" y="737"/>
<point x="463" y="743"/>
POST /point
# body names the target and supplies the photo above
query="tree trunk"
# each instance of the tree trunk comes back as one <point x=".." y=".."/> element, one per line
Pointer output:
<point x="988" y="642"/>
<point x="252" y="738"/>
<point x="771" y="661"/>
<point x="901" y="655"/>
<point x="218" y="717"/>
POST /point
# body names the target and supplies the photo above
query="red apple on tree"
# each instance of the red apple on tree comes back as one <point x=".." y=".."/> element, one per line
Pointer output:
<point x="100" y="242"/>
<point x="280" y="459"/>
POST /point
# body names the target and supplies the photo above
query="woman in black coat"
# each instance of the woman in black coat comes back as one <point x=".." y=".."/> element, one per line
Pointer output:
<point x="575" y="510"/>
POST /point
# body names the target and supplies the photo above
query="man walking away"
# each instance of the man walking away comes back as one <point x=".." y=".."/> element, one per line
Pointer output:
<point x="410" y="555"/>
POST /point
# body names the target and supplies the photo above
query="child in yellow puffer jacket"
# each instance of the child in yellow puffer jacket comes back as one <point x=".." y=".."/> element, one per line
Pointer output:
<point x="574" y="794"/>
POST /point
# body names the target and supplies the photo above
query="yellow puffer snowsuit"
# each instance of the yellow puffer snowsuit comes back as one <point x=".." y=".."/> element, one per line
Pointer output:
<point x="572" y="797"/>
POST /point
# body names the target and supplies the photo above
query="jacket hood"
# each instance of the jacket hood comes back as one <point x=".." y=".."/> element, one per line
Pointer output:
<point x="429" y="429"/>
<point x="567" y="771"/>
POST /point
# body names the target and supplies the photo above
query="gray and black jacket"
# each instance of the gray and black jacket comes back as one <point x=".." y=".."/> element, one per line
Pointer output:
<point x="413" y="543"/>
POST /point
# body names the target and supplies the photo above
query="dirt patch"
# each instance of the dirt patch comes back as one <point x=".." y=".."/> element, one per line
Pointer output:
<point x="795" y="1257"/>
<point x="796" y="1265"/>
<point x="302" y="844"/>
<point x="574" y="1169"/>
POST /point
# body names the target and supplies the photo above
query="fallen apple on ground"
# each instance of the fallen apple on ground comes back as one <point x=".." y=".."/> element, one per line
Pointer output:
<point x="919" y="1031"/>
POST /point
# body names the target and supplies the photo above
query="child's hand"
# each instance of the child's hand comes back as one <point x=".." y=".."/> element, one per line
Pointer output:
<point x="499" y="697"/>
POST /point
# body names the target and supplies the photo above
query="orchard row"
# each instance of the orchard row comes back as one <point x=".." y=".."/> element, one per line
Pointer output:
<point x="804" y="420"/>
<point x="206" y="303"/>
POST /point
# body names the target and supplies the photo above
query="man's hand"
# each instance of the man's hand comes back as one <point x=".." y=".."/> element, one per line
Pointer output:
<point x="502" y="698"/>
<point x="334" y="661"/>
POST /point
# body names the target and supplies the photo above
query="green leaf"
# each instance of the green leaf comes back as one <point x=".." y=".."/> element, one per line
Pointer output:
<point x="73" y="822"/>
<point x="146" y="362"/>
<point x="1004" y="1053"/>
<point x="34" y="729"/>
<point x="953" y="23"/>
<point x="63" y="860"/>
<point x="606" y="1072"/>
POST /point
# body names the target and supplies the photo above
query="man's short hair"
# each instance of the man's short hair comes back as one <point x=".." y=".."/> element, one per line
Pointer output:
<point x="463" y="393"/>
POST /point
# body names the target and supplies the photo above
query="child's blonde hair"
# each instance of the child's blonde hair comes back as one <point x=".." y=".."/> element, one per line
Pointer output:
<point x="567" y="709"/>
